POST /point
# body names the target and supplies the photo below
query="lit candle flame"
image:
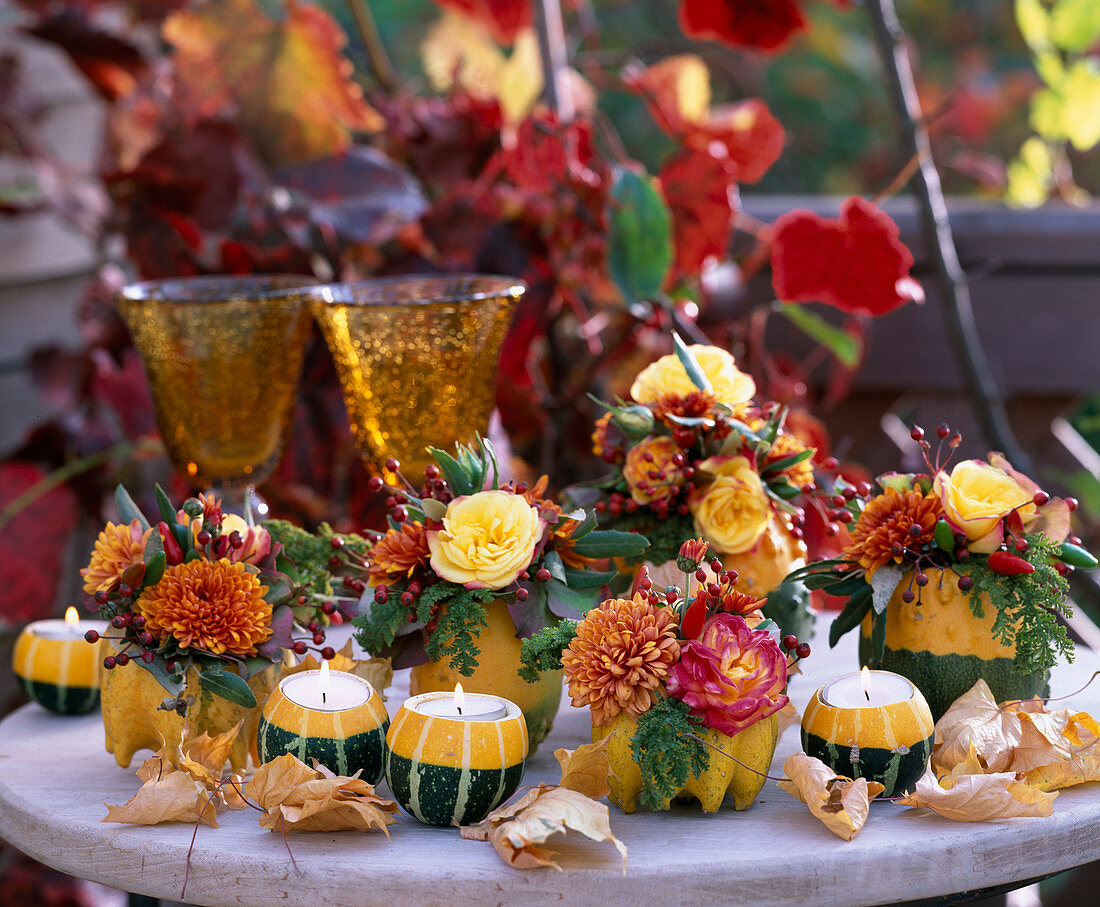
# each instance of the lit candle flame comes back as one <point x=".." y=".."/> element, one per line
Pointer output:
<point x="323" y="680"/>
<point x="72" y="617"/>
<point x="865" y="682"/>
<point x="460" y="698"/>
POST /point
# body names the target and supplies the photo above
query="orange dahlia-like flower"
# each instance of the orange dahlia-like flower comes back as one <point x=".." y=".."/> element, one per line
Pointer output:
<point x="116" y="548"/>
<point x="888" y="520"/>
<point x="216" y="606"/>
<point x="621" y="654"/>
<point x="787" y="445"/>
<point x="694" y="405"/>
<point x="398" y="553"/>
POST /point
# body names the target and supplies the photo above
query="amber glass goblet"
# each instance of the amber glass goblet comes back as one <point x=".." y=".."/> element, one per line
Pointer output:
<point x="223" y="357"/>
<point x="417" y="359"/>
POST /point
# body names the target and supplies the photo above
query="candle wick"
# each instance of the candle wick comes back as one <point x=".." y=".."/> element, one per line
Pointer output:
<point x="459" y="709"/>
<point x="867" y="693"/>
<point x="324" y="698"/>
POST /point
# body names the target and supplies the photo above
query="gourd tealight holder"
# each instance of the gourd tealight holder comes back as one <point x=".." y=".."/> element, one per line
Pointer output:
<point x="449" y="764"/>
<point x="56" y="666"/>
<point x="870" y="724"/>
<point x="335" y="717"/>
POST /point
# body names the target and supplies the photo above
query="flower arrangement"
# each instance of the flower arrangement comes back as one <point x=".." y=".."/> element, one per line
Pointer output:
<point x="679" y="664"/>
<point x="211" y="590"/>
<point x="695" y="454"/>
<point x="984" y="527"/>
<point x="464" y="539"/>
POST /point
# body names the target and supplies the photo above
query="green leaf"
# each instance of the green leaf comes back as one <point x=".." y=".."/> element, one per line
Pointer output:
<point x="691" y="364"/>
<point x="229" y="686"/>
<point x="154" y="569"/>
<point x="173" y="683"/>
<point x="453" y="472"/>
<point x="788" y="462"/>
<point x="588" y="523"/>
<point x="588" y="579"/>
<point x="287" y="567"/>
<point x="153" y="547"/>
<point x="433" y="509"/>
<point x="127" y="509"/>
<point x="847" y="348"/>
<point x="1034" y="23"/>
<point x="640" y="236"/>
<point x="852" y="616"/>
<point x="1074" y="24"/>
<point x="878" y="637"/>
<point x="1050" y="67"/>
<point x="572" y="604"/>
<point x="611" y="543"/>
<point x="164" y="505"/>
<point x="552" y="562"/>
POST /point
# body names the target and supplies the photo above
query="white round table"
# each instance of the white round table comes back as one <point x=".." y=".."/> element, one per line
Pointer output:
<point x="55" y="777"/>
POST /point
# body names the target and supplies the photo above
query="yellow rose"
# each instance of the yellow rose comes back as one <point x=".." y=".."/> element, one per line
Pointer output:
<point x="733" y="511"/>
<point x="977" y="496"/>
<point x="668" y="376"/>
<point x="486" y="540"/>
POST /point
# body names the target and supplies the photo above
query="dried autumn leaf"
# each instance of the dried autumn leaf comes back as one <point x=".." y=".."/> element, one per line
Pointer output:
<point x="965" y="794"/>
<point x="275" y="780"/>
<point x="788" y="715"/>
<point x="175" y="797"/>
<point x="840" y="803"/>
<point x="585" y="769"/>
<point x="207" y="754"/>
<point x="515" y="830"/>
<point x="378" y="672"/>
<point x="287" y="80"/>
<point x="975" y="721"/>
<point x="1078" y="755"/>
<point x="676" y="91"/>
<point x="460" y="52"/>
<point x="331" y="804"/>
<point x="504" y="18"/>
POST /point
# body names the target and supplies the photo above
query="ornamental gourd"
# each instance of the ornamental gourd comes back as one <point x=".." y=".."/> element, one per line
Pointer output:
<point x="59" y="674"/>
<point x="344" y="741"/>
<point x="740" y="773"/>
<point x="445" y="771"/>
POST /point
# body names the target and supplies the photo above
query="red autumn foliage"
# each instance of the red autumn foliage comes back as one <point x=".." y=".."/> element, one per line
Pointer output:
<point x="752" y="136"/>
<point x="760" y="24"/>
<point x="855" y="262"/>
<point x="503" y="18"/>
<point x="699" y="190"/>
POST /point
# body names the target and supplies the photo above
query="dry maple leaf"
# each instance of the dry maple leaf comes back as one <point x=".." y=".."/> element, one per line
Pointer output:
<point x="1078" y="755"/>
<point x="175" y="797"/>
<point x="516" y="829"/>
<point x="974" y="720"/>
<point x="287" y="79"/>
<point x="840" y="803"/>
<point x="274" y="780"/>
<point x="585" y="769"/>
<point x="202" y="758"/>
<point x="378" y="672"/>
<point x="331" y="804"/>
<point x="968" y="794"/>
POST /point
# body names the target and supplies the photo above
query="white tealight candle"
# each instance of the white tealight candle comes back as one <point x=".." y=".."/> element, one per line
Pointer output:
<point x="344" y="690"/>
<point x="463" y="706"/>
<point x="867" y="690"/>
<point x="72" y="627"/>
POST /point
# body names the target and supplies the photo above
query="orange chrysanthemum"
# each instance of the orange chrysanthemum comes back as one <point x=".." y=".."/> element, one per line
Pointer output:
<point x="216" y="606"/>
<point x="887" y="521"/>
<point x="116" y="548"/>
<point x="621" y="654"/>
<point x="398" y="553"/>
<point x="787" y="445"/>
<point x="604" y="445"/>
<point x="695" y="405"/>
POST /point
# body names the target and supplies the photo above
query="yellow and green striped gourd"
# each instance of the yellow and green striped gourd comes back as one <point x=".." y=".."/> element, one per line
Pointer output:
<point x="61" y="675"/>
<point x="345" y="741"/>
<point x="742" y="779"/>
<point x="944" y="649"/>
<point x="890" y="744"/>
<point x="444" y="770"/>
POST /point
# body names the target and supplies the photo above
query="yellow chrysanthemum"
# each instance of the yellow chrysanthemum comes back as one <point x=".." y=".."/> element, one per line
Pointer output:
<point x="621" y="654"/>
<point x="216" y="606"/>
<point x="116" y="548"/>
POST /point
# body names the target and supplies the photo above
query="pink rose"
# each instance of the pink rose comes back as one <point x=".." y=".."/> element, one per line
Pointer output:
<point x="732" y="676"/>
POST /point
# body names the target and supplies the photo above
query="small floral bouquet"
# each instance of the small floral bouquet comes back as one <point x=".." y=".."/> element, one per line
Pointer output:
<point x="211" y="590"/>
<point x="675" y="676"/>
<point x="982" y="533"/>
<point x="465" y="539"/>
<point x="695" y="455"/>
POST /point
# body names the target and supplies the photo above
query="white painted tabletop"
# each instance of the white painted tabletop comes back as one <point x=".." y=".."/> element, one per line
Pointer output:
<point x="55" y="777"/>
